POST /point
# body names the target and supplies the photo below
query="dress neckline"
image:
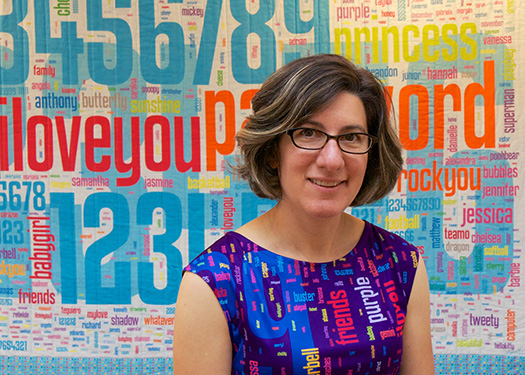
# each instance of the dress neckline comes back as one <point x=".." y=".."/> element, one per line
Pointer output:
<point x="359" y="244"/>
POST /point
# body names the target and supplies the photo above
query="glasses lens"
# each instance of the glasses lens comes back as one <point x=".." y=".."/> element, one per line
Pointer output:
<point x="309" y="138"/>
<point x="313" y="139"/>
<point x="354" y="142"/>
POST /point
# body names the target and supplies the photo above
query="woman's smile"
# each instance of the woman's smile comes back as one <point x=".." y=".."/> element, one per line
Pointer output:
<point x="327" y="184"/>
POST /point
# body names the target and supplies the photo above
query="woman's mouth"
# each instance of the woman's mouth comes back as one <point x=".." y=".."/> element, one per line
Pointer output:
<point x="328" y="184"/>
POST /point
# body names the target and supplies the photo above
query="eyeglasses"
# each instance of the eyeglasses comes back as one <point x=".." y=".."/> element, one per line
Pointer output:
<point x="313" y="139"/>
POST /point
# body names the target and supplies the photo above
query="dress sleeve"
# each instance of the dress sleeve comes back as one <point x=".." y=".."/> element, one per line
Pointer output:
<point x="216" y="270"/>
<point x="403" y="259"/>
<point x="408" y="258"/>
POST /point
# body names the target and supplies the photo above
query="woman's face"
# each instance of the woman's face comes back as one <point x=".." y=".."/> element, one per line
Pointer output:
<point x="323" y="183"/>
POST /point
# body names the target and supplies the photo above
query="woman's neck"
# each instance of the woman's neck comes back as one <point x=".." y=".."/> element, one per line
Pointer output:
<point x="303" y="237"/>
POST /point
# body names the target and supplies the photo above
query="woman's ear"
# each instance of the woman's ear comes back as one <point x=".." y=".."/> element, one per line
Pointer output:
<point x="274" y="161"/>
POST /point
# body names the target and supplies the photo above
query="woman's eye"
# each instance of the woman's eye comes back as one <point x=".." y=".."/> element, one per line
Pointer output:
<point x="307" y="133"/>
<point x="350" y="137"/>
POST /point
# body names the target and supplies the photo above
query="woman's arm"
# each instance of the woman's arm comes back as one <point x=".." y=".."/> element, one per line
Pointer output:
<point x="201" y="339"/>
<point x="417" y="344"/>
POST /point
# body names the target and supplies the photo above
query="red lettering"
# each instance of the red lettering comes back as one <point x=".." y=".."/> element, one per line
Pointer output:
<point x="134" y="164"/>
<point x="32" y="146"/>
<point x="18" y="139"/>
<point x="338" y="295"/>
<point x="68" y="154"/>
<point x="103" y="142"/>
<point x="149" y="143"/>
<point x="195" y="163"/>
<point x="4" y="144"/>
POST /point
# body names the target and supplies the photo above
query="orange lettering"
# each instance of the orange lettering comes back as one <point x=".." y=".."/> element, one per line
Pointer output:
<point x="474" y="89"/>
<point x="439" y="113"/>
<point x="212" y="145"/>
<point x="421" y="140"/>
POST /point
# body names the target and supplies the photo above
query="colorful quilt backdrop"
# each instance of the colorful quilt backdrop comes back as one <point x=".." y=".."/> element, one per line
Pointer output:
<point x="117" y="121"/>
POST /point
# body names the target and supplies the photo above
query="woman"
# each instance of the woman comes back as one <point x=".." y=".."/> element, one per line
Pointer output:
<point x="307" y="288"/>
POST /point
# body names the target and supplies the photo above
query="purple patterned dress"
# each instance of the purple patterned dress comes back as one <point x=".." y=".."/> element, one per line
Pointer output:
<point x="293" y="317"/>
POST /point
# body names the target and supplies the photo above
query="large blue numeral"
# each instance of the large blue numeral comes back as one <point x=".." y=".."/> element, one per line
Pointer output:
<point x="195" y="224"/>
<point x="208" y="43"/>
<point x="68" y="45"/>
<point x="7" y="228"/>
<point x="19" y="70"/>
<point x="123" y="49"/>
<point x="65" y="204"/>
<point x="173" y="73"/>
<point x="172" y="208"/>
<point x="252" y="206"/>
<point x="294" y="24"/>
<point x="95" y="292"/>
<point x="19" y="232"/>
<point x="252" y="23"/>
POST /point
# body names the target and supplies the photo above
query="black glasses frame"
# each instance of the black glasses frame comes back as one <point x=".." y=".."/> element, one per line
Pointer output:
<point x="372" y="139"/>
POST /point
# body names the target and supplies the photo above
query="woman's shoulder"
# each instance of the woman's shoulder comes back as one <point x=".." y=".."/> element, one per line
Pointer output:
<point x="224" y="252"/>
<point x="387" y="239"/>
<point x="392" y="259"/>
<point x="385" y="245"/>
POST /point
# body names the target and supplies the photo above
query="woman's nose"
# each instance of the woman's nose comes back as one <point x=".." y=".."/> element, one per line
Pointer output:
<point x="331" y="156"/>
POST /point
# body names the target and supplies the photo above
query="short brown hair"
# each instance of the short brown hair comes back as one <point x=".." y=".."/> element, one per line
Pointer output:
<point x="294" y="93"/>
